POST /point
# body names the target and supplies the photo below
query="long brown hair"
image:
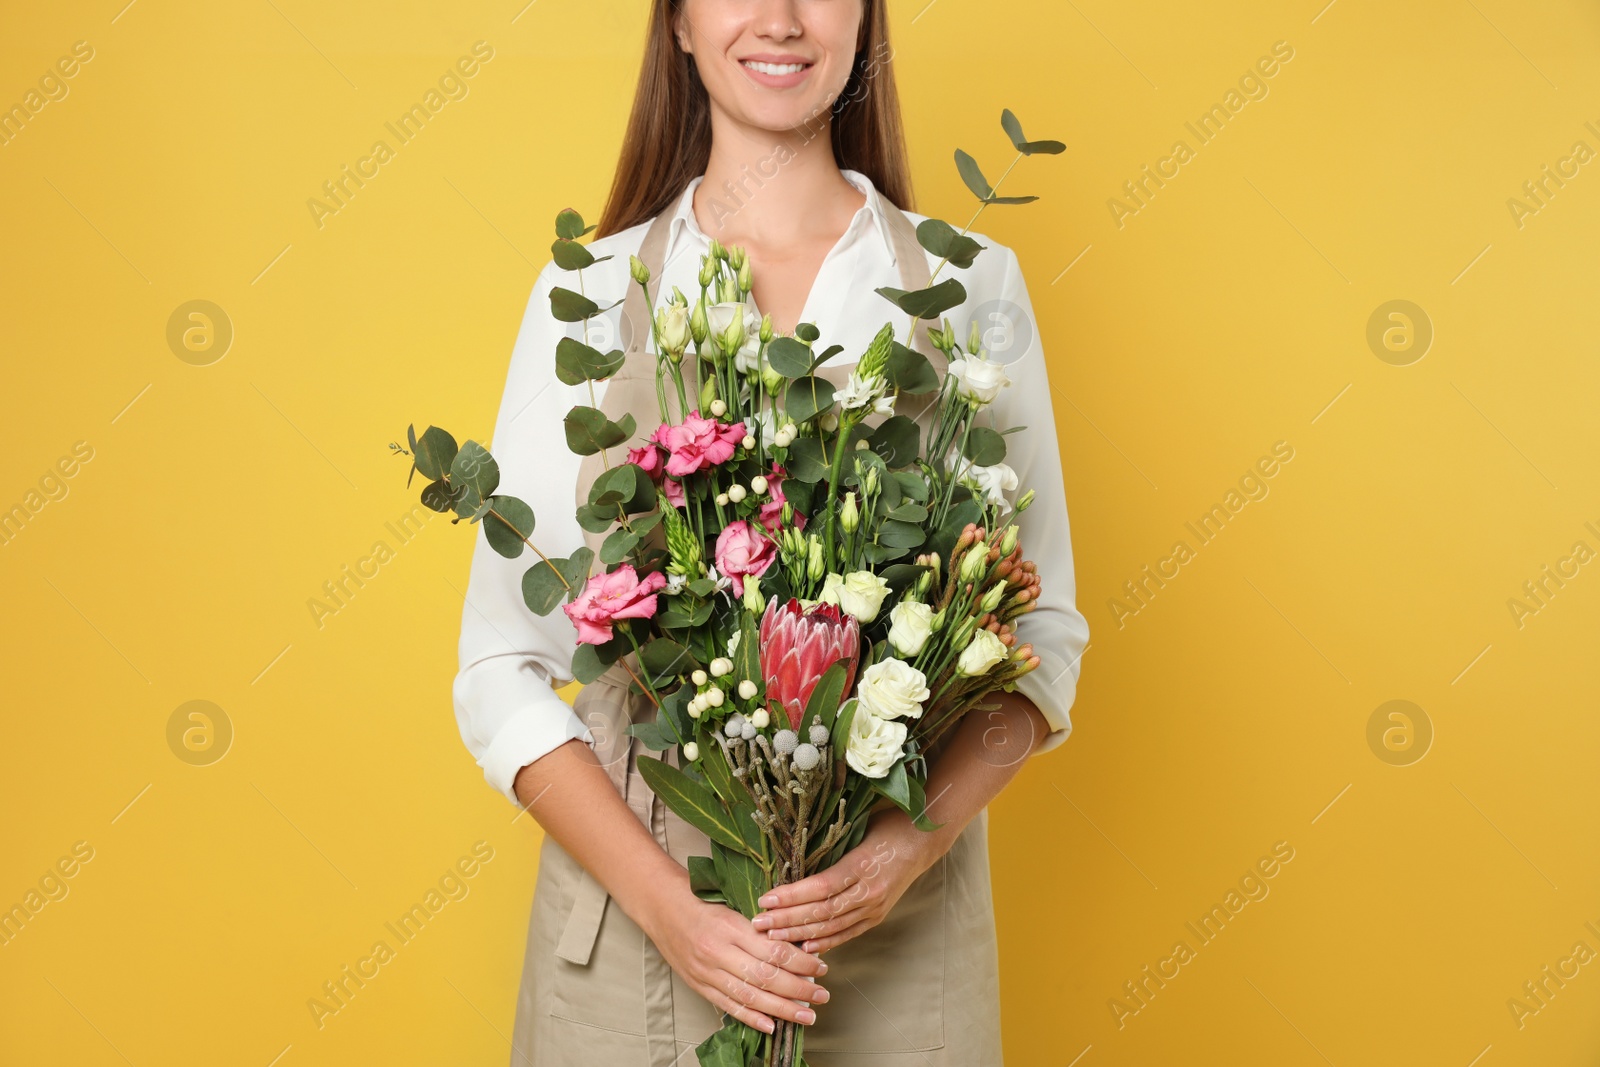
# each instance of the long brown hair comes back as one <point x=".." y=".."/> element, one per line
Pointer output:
<point x="668" y="142"/>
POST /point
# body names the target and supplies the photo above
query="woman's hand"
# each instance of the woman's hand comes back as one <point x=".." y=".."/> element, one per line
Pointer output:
<point x="741" y="972"/>
<point x="854" y="895"/>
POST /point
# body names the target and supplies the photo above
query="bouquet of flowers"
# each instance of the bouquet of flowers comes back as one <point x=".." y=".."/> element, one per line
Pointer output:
<point x="809" y="590"/>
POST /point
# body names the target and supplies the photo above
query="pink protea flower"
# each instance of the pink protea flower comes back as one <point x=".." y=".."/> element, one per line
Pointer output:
<point x="771" y="513"/>
<point x="797" y="645"/>
<point x="742" y="551"/>
<point x="619" y="594"/>
<point x="698" y="443"/>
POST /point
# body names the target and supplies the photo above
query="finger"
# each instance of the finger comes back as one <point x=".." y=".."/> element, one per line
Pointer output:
<point x="819" y="886"/>
<point x="852" y="895"/>
<point x="791" y="959"/>
<point x="728" y="1006"/>
<point x="833" y="941"/>
<point x="768" y="1004"/>
<point x="817" y="930"/>
<point x="756" y="970"/>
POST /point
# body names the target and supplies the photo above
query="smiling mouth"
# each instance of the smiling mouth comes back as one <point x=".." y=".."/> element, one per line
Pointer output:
<point x="775" y="69"/>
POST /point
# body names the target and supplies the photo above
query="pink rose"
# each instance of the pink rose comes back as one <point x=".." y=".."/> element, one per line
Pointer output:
<point x="648" y="459"/>
<point x="771" y="513"/>
<point x="698" y="443"/>
<point x="608" y="597"/>
<point x="741" y="551"/>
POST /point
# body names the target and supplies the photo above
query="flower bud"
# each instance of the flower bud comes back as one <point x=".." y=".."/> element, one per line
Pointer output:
<point x="849" y="517"/>
<point x="937" y="622"/>
<point x="736" y="257"/>
<point x="758" y="484"/>
<point x="973" y="563"/>
<point x="733" y="337"/>
<point x="814" y="568"/>
<point x="991" y="599"/>
<point x="771" y="380"/>
<point x="748" y="690"/>
<point x="708" y="392"/>
<point x="1008" y="543"/>
<point x="638" y="270"/>
<point x="728" y="291"/>
<point x="974" y="339"/>
<point x="766" y="329"/>
<point x="708" y="270"/>
<point x="1025" y="500"/>
<point x="699" y="324"/>
<point x="869" y="480"/>
<point x="691" y="751"/>
<point x="753" y="602"/>
<point x="717" y="251"/>
<point x="746" y="277"/>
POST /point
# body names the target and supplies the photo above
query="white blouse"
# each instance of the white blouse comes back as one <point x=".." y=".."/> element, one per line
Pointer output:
<point x="512" y="660"/>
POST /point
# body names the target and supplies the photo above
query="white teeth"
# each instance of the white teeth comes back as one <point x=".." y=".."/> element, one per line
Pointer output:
<point x="775" y="68"/>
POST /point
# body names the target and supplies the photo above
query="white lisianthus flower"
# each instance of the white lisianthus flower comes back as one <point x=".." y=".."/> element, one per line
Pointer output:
<point x="910" y="624"/>
<point x="979" y="380"/>
<point x="859" y="593"/>
<point x="980" y="655"/>
<point x="874" y="744"/>
<point x="993" y="482"/>
<point x="891" y="689"/>
<point x="721" y="316"/>
<point x="672" y="325"/>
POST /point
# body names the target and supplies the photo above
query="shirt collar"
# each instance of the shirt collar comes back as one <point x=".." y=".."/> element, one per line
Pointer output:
<point x="683" y="224"/>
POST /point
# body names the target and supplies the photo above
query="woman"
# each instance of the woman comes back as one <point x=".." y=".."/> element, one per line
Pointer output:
<point x="771" y="125"/>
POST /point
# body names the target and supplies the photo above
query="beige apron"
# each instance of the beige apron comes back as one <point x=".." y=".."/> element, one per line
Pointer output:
<point x="921" y="988"/>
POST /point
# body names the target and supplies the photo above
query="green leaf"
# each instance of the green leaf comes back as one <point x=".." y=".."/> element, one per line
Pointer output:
<point x="726" y="1047"/>
<point x="589" y="662"/>
<point x="651" y="735"/>
<point x="912" y="485"/>
<point x="840" y="728"/>
<point x="955" y="521"/>
<point x="828" y="353"/>
<point x="568" y="306"/>
<point x="897" y="440"/>
<point x="694" y="803"/>
<point x="674" y="715"/>
<point x="972" y="174"/>
<point x="742" y="879"/>
<point x="896" y="786"/>
<point x="475" y="470"/>
<point x="617" y="547"/>
<point x="824" y="703"/>
<point x="940" y="238"/>
<point x="666" y="657"/>
<point x="703" y="876"/>
<point x="807" y="332"/>
<point x="985" y="447"/>
<point x="675" y="618"/>
<point x="625" y="487"/>
<point x="433" y="453"/>
<point x="509" y="525"/>
<point x="1013" y="128"/>
<point x="748" y="664"/>
<point x="549" y="582"/>
<point x="576" y="362"/>
<point x="927" y="303"/>
<point x="909" y="513"/>
<point x="807" y="397"/>
<point x="805" y="462"/>
<point x="436" y="496"/>
<point x="702" y="587"/>
<point x="789" y="357"/>
<point x="569" y="224"/>
<point x="589" y="431"/>
<point x="919" y="805"/>
<point x="896" y="534"/>
<point x="910" y="370"/>
<point x="1012" y="199"/>
<point x="570" y="255"/>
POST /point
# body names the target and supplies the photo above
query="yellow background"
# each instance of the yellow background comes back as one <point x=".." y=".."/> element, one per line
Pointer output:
<point x="1229" y="714"/>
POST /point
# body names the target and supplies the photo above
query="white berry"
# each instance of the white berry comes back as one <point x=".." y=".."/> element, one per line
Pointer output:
<point x="749" y="442"/>
<point x="698" y="677"/>
<point x="720" y="666"/>
<point x="722" y="500"/>
<point x="691" y="752"/>
<point x="761" y="718"/>
<point x="758" y="485"/>
<point x="713" y="697"/>
<point x="747" y="690"/>
<point x="718" y="408"/>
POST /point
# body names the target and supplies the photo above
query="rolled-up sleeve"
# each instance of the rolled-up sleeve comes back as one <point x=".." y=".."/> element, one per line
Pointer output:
<point x="1056" y="628"/>
<point x="511" y="661"/>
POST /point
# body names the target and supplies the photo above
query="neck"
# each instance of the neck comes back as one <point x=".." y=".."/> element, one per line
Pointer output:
<point x="771" y="188"/>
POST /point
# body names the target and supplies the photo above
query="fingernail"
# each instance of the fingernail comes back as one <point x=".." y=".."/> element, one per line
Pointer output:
<point x="762" y="922"/>
<point x="824" y="970"/>
<point x="820" y="996"/>
<point x="769" y="901"/>
<point x="768" y="1025"/>
<point x="806" y="1016"/>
